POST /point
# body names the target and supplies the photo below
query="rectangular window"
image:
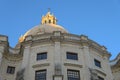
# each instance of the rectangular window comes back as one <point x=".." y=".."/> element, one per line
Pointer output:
<point x="72" y="56"/>
<point x="97" y="63"/>
<point x="100" y="78"/>
<point x="40" y="75"/>
<point x="73" y="75"/>
<point x="10" y="70"/>
<point x="42" y="56"/>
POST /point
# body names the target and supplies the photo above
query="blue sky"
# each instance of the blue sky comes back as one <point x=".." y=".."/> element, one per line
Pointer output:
<point x="97" y="19"/>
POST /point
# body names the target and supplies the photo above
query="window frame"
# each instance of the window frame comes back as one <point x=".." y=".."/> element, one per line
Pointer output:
<point x="10" y="70"/>
<point x="41" y="71"/>
<point x="71" y="55"/>
<point x="73" y="71"/>
<point x="41" y="56"/>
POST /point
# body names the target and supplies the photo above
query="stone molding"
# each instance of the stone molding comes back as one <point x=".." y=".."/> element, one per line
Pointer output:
<point x="56" y="76"/>
<point x="66" y="38"/>
<point x="41" y="65"/>
<point x="73" y="65"/>
<point x="100" y="72"/>
<point x="13" y="57"/>
<point x="94" y="74"/>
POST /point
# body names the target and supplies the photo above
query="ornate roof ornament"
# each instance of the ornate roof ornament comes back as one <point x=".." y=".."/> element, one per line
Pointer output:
<point x="49" y="18"/>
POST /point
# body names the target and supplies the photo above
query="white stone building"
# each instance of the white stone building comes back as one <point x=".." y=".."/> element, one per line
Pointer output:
<point x="49" y="52"/>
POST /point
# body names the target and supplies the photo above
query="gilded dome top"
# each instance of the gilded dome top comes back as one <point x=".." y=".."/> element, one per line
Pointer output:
<point x="48" y="25"/>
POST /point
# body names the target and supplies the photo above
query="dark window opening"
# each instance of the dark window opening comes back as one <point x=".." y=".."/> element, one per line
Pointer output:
<point x="10" y="70"/>
<point x="40" y="75"/>
<point x="42" y="56"/>
<point x="97" y="63"/>
<point x="73" y="75"/>
<point x="72" y="56"/>
<point x="45" y="21"/>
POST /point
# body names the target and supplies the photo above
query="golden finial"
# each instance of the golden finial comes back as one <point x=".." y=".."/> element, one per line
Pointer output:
<point x="48" y="18"/>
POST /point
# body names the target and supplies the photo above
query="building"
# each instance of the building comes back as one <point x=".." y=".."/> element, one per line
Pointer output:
<point x="49" y="52"/>
<point x="115" y="66"/>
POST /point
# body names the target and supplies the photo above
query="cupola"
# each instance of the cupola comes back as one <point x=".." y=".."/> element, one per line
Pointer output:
<point x="48" y="19"/>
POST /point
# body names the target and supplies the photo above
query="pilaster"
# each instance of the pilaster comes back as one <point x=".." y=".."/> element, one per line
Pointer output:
<point x="57" y="59"/>
<point x="87" y="62"/>
<point x="25" y="62"/>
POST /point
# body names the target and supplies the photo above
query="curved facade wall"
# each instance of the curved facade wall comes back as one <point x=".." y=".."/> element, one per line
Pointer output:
<point x="57" y="56"/>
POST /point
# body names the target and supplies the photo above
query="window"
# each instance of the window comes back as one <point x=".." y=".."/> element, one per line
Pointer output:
<point x="41" y="56"/>
<point x="10" y="70"/>
<point x="72" y="56"/>
<point x="73" y="75"/>
<point x="40" y="75"/>
<point x="97" y="63"/>
<point x="100" y="78"/>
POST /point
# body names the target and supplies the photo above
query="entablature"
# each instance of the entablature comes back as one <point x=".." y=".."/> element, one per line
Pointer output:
<point x="57" y="36"/>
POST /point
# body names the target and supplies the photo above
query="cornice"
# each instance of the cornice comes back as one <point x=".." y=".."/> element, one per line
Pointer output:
<point x="12" y="57"/>
<point x="100" y="49"/>
<point x="37" y="42"/>
<point x="65" y="38"/>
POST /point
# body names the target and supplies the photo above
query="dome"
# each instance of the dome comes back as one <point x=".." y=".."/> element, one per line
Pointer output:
<point x="42" y="29"/>
<point x="45" y="28"/>
<point x="48" y="25"/>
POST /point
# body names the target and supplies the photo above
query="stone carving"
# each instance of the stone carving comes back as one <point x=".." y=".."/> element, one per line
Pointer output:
<point x="20" y="74"/>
